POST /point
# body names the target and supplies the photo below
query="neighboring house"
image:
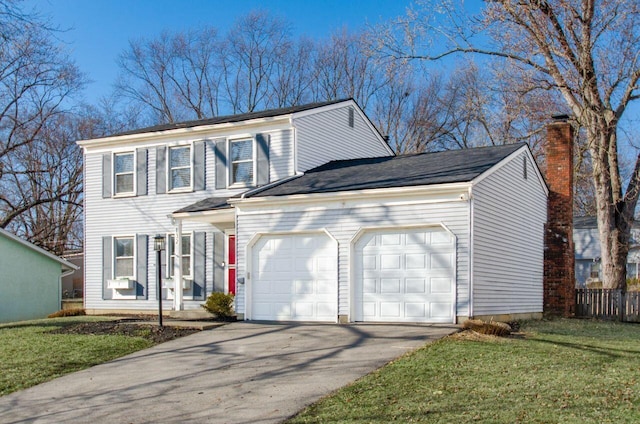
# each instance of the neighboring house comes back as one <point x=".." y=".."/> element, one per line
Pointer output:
<point x="30" y="281"/>
<point x="305" y="214"/>
<point x="586" y="240"/>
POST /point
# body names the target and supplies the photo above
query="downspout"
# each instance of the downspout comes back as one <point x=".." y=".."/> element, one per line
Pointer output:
<point x="471" y="222"/>
<point x="178" y="304"/>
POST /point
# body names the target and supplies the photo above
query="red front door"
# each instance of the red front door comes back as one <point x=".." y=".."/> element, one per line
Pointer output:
<point x="231" y="264"/>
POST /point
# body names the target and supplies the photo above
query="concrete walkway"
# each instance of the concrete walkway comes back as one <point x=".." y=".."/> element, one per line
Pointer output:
<point x="239" y="373"/>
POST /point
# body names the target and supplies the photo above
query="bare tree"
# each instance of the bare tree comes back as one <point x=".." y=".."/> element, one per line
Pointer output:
<point x="254" y="48"/>
<point x="587" y="51"/>
<point x="36" y="79"/>
<point x="175" y="76"/>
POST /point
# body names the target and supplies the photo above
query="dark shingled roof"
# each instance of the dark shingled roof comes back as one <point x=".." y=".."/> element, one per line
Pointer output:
<point x="450" y="166"/>
<point x="209" y="204"/>
<point x="231" y="118"/>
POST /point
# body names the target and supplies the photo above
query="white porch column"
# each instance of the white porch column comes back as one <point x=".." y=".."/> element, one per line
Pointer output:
<point x="178" y="303"/>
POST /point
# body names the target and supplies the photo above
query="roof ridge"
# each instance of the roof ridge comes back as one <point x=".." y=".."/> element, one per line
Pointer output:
<point x="220" y="119"/>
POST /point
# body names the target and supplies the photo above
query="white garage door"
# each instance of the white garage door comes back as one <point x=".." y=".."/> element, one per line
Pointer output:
<point x="295" y="278"/>
<point x="405" y="276"/>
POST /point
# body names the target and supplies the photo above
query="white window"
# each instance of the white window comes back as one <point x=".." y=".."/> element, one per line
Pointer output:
<point x="179" y="167"/>
<point x="124" y="257"/>
<point x="595" y="270"/>
<point x="123" y="173"/>
<point x="186" y="255"/>
<point x="241" y="153"/>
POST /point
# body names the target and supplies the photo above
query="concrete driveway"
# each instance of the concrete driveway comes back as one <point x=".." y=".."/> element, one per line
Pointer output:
<point x="239" y="373"/>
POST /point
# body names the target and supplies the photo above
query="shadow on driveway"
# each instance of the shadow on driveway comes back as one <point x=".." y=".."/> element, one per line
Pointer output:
<point x="243" y="372"/>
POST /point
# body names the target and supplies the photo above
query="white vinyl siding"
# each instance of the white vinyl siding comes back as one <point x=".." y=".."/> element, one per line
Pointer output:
<point x="344" y="220"/>
<point x="281" y="154"/>
<point x="508" y="241"/>
<point x="327" y="136"/>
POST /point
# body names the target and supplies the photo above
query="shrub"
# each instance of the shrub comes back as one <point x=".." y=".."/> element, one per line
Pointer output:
<point x="493" y="328"/>
<point x="220" y="304"/>
<point x="67" y="313"/>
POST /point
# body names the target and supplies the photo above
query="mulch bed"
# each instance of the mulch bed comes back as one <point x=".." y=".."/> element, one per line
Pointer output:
<point x="154" y="333"/>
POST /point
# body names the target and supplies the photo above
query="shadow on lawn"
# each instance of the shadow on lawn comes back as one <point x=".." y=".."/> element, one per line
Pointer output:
<point x="608" y="351"/>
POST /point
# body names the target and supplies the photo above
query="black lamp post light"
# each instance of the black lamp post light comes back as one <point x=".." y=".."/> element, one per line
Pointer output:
<point x="158" y="246"/>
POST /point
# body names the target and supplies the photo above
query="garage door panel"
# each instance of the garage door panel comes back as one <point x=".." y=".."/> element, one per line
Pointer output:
<point x="390" y="310"/>
<point x="440" y="310"/>
<point x="440" y="285"/>
<point x="389" y="286"/>
<point x="295" y="278"/>
<point x="405" y="275"/>
<point x="416" y="285"/>
<point x="303" y="287"/>
<point x="415" y="310"/>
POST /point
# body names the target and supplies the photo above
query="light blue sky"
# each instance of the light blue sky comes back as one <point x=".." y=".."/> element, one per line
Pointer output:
<point x="98" y="30"/>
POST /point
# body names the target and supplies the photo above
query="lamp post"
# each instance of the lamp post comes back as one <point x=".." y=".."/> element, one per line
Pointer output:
<point x="158" y="246"/>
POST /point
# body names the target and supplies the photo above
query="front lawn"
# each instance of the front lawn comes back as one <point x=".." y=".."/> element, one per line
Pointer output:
<point x="564" y="371"/>
<point x="31" y="353"/>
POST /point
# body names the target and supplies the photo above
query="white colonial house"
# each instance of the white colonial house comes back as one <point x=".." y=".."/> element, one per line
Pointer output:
<point x="306" y="215"/>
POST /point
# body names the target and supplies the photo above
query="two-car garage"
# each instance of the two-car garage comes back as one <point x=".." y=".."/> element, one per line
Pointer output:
<point x="397" y="275"/>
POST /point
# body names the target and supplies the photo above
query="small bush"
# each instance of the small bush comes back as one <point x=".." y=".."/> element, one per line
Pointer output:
<point x="220" y="304"/>
<point x="493" y="328"/>
<point x="67" y="313"/>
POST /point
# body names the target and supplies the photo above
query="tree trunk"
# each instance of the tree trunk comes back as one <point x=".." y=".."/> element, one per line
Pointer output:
<point x="615" y="218"/>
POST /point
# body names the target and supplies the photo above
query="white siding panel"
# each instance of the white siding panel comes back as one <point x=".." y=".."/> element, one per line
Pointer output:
<point x="281" y="154"/>
<point x="327" y="136"/>
<point x="343" y="223"/>
<point x="508" y="241"/>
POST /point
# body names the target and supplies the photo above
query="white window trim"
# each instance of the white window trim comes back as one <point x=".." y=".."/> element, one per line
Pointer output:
<point x="169" y="271"/>
<point x="115" y="258"/>
<point x="252" y="183"/>
<point x="113" y="173"/>
<point x="189" y="188"/>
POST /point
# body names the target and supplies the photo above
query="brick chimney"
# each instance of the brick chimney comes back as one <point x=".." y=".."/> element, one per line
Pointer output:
<point x="559" y="260"/>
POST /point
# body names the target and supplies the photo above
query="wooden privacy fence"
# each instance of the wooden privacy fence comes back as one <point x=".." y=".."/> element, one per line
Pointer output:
<point x="608" y="304"/>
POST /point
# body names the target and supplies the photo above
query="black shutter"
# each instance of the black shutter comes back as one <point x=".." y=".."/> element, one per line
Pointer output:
<point x="262" y="159"/>
<point x="141" y="266"/>
<point x="141" y="172"/>
<point x="199" y="166"/>
<point x="106" y="175"/>
<point x="199" y="265"/>
<point x="161" y="174"/>
<point x="218" y="260"/>
<point x="221" y="163"/>
<point x="107" y="266"/>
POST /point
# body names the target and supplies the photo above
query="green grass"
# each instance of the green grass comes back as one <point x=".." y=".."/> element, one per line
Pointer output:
<point x="30" y="356"/>
<point x="564" y="371"/>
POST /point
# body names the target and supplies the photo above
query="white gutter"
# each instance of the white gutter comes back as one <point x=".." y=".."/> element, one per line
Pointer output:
<point x="176" y="132"/>
<point x="353" y="194"/>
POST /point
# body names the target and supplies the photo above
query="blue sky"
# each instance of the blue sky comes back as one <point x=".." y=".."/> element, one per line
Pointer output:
<point x="98" y="30"/>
